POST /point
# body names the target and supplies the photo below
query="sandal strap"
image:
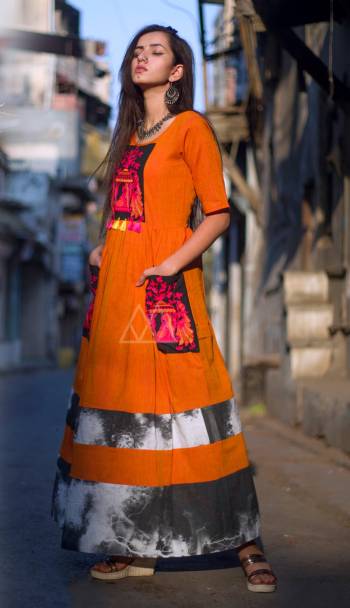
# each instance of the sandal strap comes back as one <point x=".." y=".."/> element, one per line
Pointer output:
<point x="253" y="558"/>
<point x="112" y="563"/>
<point x="262" y="571"/>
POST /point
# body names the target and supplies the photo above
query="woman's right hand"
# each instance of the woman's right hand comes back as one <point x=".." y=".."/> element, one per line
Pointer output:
<point x="95" y="256"/>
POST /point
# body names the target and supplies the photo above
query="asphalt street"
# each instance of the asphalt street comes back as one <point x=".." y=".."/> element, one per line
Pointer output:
<point x="304" y="495"/>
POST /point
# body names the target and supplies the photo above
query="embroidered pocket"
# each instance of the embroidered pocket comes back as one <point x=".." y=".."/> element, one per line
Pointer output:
<point x="169" y="314"/>
<point x="94" y="270"/>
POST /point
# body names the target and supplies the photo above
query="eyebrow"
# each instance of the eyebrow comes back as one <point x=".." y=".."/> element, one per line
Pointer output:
<point x="154" y="44"/>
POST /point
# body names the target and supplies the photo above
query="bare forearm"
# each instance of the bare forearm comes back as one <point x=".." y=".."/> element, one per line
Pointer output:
<point x="206" y="233"/>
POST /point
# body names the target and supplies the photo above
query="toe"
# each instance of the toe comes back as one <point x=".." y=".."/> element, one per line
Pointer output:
<point x="104" y="567"/>
<point x="262" y="579"/>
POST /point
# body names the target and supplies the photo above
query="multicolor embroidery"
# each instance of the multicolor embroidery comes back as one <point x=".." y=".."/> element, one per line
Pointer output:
<point x="127" y="198"/>
<point x="94" y="270"/>
<point x="169" y="314"/>
<point x="118" y="224"/>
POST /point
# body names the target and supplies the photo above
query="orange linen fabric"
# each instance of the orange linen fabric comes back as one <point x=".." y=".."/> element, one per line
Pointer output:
<point x="120" y="366"/>
<point x="136" y="467"/>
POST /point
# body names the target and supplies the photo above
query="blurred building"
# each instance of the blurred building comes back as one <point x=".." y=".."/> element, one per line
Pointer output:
<point x="54" y="131"/>
<point x="233" y="105"/>
<point x="286" y="261"/>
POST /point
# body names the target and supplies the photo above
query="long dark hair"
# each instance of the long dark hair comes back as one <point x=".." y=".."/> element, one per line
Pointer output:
<point x="131" y="109"/>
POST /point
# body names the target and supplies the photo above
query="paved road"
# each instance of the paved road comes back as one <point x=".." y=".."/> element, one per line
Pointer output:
<point x="304" y="495"/>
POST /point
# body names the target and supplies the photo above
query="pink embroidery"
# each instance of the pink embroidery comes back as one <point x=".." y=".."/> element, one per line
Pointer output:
<point x="126" y="192"/>
<point x="136" y="226"/>
<point x="169" y="314"/>
<point x="127" y="197"/>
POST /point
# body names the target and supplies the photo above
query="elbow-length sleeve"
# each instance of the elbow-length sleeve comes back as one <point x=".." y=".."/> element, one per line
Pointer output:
<point x="202" y="156"/>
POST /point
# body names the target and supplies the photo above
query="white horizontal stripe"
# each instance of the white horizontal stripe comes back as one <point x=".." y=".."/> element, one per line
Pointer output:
<point x="199" y="426"/>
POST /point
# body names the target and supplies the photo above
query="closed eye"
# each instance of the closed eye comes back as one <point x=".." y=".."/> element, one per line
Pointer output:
<point x="154" y="53"/>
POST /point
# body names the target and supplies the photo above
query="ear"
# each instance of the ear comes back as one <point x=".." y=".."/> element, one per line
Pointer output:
<point x="176" y="73"/>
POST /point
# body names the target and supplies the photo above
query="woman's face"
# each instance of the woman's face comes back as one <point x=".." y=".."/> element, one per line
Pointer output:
<point x="152" y="63"/>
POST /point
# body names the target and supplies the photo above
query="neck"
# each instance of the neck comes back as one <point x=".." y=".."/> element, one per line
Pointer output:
<point x="155" y="106"/>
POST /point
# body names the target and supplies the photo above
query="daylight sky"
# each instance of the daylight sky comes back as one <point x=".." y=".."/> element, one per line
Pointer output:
<point x="116" y="21"/>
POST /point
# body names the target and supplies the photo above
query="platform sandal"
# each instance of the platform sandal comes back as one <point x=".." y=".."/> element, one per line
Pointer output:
<point x="131" y="568"/>
<point x="254" y="558"/>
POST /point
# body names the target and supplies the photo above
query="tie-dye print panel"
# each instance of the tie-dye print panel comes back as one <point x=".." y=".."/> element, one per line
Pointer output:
<point x="174" y="520"/>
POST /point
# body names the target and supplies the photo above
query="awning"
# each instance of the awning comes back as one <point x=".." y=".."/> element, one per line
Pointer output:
<point x="284" y="13"/>
<point x="17" y="223"/>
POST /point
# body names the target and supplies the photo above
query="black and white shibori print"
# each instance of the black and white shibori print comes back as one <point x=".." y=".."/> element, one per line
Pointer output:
<point x="176" y="520"/>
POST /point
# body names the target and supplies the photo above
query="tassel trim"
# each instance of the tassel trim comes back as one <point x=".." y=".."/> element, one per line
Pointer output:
<point x="120" y="224"/>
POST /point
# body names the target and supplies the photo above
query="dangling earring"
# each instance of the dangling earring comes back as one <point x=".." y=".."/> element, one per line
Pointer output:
<point x="172" y="94"/>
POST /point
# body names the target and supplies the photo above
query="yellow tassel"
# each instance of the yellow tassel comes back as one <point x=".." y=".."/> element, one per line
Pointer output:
<point x="120" y="224"/>
<point x="115" y="224"/>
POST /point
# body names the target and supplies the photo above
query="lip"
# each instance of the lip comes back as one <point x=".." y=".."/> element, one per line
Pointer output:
<point x="140" y="69"/>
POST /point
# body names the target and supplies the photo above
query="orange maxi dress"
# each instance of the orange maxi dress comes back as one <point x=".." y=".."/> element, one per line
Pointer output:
<point x="153" y="462"/>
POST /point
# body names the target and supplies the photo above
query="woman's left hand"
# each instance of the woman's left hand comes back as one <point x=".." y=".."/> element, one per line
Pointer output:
<point x="164" y="269"/>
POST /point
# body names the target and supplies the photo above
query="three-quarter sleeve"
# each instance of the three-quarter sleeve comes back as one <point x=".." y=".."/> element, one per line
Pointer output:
<point x="202" y="155"/>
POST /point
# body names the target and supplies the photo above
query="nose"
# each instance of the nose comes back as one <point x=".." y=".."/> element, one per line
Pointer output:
<point x="143" y="57"/>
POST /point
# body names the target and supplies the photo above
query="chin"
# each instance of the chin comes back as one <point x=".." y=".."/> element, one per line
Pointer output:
<point x="139" y="78"/>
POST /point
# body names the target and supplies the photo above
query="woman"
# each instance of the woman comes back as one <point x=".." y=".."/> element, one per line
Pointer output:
<point x="153" y="461"/>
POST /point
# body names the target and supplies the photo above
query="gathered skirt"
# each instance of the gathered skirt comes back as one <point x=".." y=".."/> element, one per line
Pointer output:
<point x="153" y="461"/>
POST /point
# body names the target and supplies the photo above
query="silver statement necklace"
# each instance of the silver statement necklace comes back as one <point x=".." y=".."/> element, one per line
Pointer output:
<point x="142" y="133"/>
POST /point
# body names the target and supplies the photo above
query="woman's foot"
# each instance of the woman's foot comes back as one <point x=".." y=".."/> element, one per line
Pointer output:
<point x="115" y="567"/>
<point x="112" y="563"/>
<point x="253" y="560"/>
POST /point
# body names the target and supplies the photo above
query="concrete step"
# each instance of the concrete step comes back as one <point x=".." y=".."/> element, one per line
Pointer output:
<point x="310" y="362"/>
<point x="308" y="323"/>
<point x="319" y="359"/>
<point x="301" y="287"/>
<point x="307" y="343"/>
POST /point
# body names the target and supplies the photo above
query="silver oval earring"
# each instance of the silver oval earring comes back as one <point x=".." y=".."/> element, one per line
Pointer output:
<point x="172" y="94"/>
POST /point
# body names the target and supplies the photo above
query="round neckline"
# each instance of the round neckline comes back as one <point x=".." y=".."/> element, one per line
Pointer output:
<point x="133" y="137"/>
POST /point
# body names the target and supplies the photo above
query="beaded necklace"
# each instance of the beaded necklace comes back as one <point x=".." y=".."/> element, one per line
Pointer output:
<point x="142" y="133"/>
